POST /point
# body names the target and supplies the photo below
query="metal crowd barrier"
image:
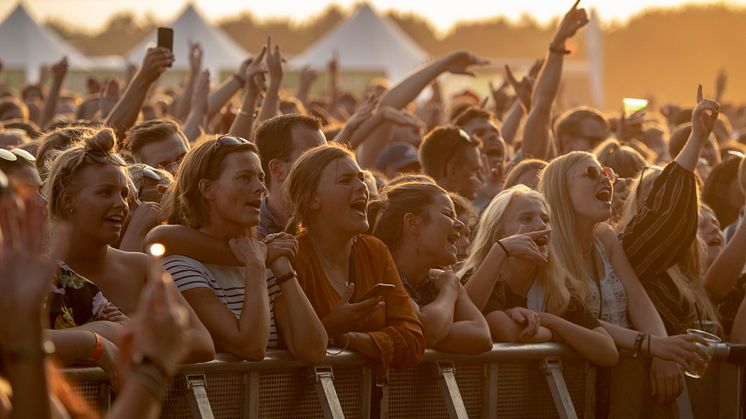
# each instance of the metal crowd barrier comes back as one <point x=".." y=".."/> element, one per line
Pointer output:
<point x="511" y="381"/>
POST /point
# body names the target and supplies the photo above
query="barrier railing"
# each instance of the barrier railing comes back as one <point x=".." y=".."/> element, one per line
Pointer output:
<point x="511" y="381"/>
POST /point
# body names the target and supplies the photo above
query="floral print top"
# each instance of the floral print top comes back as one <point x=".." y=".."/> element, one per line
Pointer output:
<point x="74" y="300"/>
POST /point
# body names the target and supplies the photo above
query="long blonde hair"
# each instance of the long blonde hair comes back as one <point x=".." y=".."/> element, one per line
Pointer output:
<point x="558" y="289"/>
<point x="554" y="185"/>
<point x="687" y="273"/>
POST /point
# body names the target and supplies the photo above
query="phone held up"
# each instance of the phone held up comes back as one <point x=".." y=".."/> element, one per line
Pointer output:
<point x="166" y="38"/>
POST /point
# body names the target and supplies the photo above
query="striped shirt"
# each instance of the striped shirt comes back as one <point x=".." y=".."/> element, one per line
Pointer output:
<point x="227" y="282"/>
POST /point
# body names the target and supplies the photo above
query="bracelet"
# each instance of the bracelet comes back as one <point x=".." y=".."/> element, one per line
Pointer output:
<point x="638" y="345"/>
<point x="284" y="278"/>
<point x="650" y="338"/>
<point x="151" y="377"/>
<point x="98" y="350"/>
<point x="505" y="249"/>
<point x="239" y="79"/>
<point x="558" y="50"/>
<point x="347" y="344"/>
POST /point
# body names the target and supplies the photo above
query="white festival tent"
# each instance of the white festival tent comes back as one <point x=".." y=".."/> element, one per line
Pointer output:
<point x="26" y="45"/>
<point x="366" y="41"/>
<point x="220" y="52"/>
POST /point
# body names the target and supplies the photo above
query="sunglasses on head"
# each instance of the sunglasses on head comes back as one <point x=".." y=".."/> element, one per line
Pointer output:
<point x="229" y="140"/>
<point x="595" y="173"/>
<point x="101" y="157"/>
<point x="148" y="172"/>
<point x="14" y="154"/>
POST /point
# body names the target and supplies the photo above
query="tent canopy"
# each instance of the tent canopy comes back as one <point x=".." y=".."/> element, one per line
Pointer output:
<point x="220" y="51"/>
<point x="25" y="44"/>
<point x="366" y="41"/>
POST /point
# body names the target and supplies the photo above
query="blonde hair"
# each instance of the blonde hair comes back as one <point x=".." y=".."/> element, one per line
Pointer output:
<point x="554" y="185"/>
<point x="558" y="288"/>
<point x="742" y="175"/>
<point x="302" y="182"/>
<point x="625" y="160"/>
<point x="63" y="173"/>
<point x="519" y="169"/>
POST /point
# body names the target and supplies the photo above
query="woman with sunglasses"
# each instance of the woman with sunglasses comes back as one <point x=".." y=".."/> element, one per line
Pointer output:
<point x="251" y="305"/>
<point x="579" y="193"/>
<point x="86" y="190"/>
<point x="418" y="223"/>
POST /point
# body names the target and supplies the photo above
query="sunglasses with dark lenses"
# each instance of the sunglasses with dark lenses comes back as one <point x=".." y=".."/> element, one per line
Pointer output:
<point x="101" y="157"/>
<point x="229" y="140"/>
<point x="595" y="173"/>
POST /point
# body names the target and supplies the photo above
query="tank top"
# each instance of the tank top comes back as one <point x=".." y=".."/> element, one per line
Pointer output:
<point x="606" y="298"/>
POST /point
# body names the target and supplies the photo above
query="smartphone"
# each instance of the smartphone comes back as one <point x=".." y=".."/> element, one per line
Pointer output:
<point x="380" y="288"/>
<point x="166" y="38"/>
<point x="632" y="105"/>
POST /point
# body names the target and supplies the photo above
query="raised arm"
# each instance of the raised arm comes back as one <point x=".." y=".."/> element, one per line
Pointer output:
<point x="255" y="85"/>
<point x="536" y="132"/>
<point x="723" y="274"/>
<point x="225" y="92"/>
<point x="184" y="103"/>
<point x="703" y="119"/>
<point x="59" y="70"/>
<point x="405" y="91"/>
<point x="271" y="102"/>
<point x="523" y="90"/>
<point x="197" y="119"/>
<point x="305" y="80"/>
<point x="125" y="112"/>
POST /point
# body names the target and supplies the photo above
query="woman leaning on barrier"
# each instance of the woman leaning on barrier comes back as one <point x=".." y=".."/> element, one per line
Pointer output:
<point x="417" y="222"/>
<point x="248" y="297"/>
<point x="522" y="287"/>
<point x="338" y="265"/>
<point x="579" y="193"/>
<point x="97" y="286"/>
<point x="31" y="386"/>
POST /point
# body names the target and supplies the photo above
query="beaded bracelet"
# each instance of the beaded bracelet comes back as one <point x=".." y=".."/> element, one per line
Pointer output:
<point x="638" y="345"/>
<point x="347" y="344"/>
<point x="284" y="278"/>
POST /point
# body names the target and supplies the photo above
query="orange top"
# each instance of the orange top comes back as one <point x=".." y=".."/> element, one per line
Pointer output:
<point x="395" y="329"/>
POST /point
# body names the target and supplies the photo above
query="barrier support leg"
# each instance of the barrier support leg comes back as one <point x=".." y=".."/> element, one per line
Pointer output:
<point x="324" y="384"/>
<point x="449" y="387"/>
<point x="552" y="369"/>
<point x="197" y="395"/>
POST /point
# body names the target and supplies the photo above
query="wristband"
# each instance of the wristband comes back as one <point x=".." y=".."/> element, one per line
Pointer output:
<point x="98" y="350"/>
<point x="238" y="78"/>
<point x="284" y="278"/>
<point x="505" y="249"/>
<point x="638" y="345"/>
<point x="558" y="50"/>
<point x="150" y="376"/>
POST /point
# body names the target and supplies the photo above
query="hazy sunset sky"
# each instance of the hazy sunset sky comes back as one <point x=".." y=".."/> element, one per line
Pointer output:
<point x="92" y="14"/>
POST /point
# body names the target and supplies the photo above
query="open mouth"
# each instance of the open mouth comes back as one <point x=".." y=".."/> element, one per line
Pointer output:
<point x="115" y="219"/>
<point x="604" y="195"/>
<point x="360" y="206"/>
<point x="717" y="241"/>
<point x="256" y="204"/>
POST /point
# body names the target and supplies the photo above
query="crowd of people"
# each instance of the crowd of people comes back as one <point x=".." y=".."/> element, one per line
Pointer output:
<point x="147" y="226"/>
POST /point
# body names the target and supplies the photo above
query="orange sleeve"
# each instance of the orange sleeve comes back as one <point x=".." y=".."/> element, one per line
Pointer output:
<point x="401" y="342"/>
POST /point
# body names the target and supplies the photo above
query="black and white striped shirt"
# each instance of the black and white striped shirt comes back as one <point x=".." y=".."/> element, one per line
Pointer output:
<point x="227" y="282"/>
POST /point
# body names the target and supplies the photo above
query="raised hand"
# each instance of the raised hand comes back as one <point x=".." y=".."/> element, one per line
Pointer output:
<point x="704" y="116"/>
<point x="201" y="92"/>
<point x="274" y="61"/>
<point x="720" y="83"/>
<point x="59" y="69"/>
<point x="492" y="178"/>
<point x="254" y="74"/>
<point x="523" y="244"/>
<point x="346" y="316"/>
<point x="458" y="62"/>
<point x="157" y="60"/>
<point x="248" y="250"/>
<point x="308" y="75"/>
<point x="536" y="68"/>
<point x="523" y="89"/>
<point x="93" y="85"/>
<point x="108" y="97"/>
<point x="195" y="56"/>
<point x="573" y="20"/>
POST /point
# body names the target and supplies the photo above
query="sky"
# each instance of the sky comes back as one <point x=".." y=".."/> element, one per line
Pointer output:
<point x="92" y="14"/>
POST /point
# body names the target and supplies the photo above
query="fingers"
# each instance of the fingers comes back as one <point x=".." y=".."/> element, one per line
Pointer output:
<point x="510" y="76"/>
<point x="575" y="6"/>
<point x="699" y="92"/>
<point x="260" y="56"/>
<point x="348" y="293"/>
<point x="537" y="233"/>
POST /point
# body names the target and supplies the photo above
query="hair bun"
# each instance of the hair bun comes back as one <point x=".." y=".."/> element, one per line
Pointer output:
<point x="102" y="140"/>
